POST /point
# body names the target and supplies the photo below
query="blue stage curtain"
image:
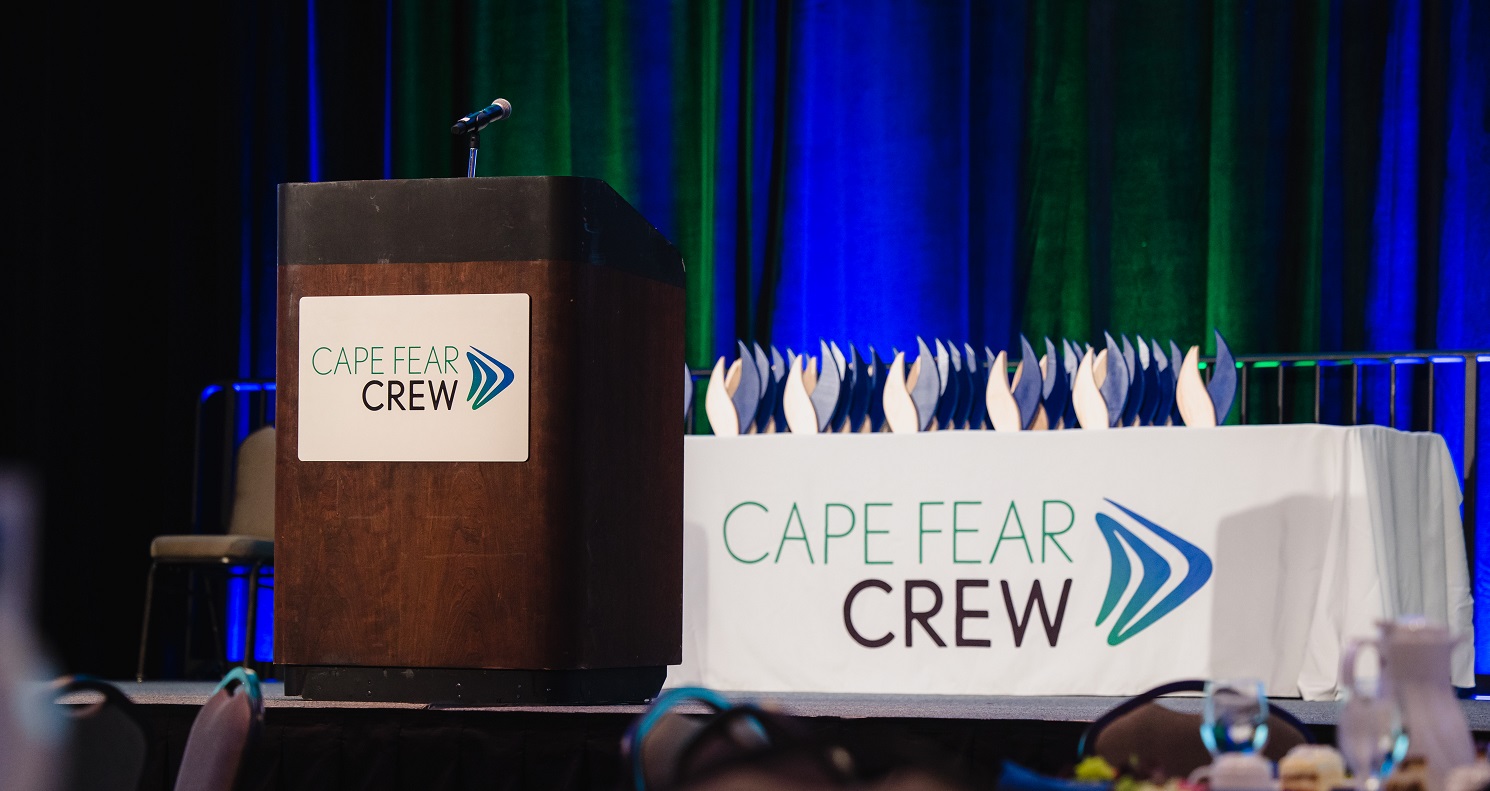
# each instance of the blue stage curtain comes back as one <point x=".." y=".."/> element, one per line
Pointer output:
<point x="901" y="149"/>
<point x="1462" y="315"/>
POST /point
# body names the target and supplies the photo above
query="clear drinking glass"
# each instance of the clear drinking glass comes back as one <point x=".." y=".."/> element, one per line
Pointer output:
<point x="1369" y="734"/>
<point x="1235" y="717"/>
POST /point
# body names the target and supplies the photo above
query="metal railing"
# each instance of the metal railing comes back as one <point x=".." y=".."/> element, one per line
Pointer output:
<point x="1429" y="361"/>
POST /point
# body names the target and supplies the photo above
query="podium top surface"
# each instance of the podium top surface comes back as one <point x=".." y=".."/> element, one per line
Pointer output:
<point x="510" y="218"/>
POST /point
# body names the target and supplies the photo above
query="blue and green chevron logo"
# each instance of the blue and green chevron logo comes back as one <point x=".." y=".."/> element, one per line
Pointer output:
<point x="1154" y="574"/>
<point x="488" y="377"/>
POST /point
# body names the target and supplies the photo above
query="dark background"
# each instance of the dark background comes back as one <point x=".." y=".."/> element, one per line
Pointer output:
<point x="122" y="292"/>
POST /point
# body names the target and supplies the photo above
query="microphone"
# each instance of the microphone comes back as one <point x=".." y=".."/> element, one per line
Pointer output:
<point x="477" y="121"/>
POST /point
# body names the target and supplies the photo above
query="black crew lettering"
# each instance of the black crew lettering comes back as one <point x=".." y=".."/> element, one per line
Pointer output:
<point x="848" y="614"/>
<point x="447" y="395"/>
<point x="964" y="614"/>
<point x="365" y="402"/>
<point x="924" y="617"/>
<point x="1052" y="629"/>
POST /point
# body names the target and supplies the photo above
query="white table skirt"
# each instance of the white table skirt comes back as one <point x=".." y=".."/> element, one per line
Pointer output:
<point x="908" y="563"/>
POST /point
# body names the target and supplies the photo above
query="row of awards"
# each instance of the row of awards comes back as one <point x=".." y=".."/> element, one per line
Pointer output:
<point x="952" y="388"/>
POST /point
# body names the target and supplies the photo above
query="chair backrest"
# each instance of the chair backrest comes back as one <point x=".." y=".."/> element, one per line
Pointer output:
<point x="107" y="746"/>
<point x="1162" y="738"/>
<point x="221" y="734"/>
<point x="740" y="745"/>
<point x="253" y="486"/>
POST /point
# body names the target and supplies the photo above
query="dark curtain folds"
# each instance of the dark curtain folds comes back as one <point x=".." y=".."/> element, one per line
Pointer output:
<point x="871" y="173"/>
<point x="138" y="267"/>
<point x="626" y="92"/>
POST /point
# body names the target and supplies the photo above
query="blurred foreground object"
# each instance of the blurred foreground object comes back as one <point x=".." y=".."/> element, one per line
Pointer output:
<point x="221" y="734"/>
<point x="33" y="730"/>
<point x="1311" y="767"/>
<point x="1168" y="742"/>
<point x="107" y="749"/>
<point x="1415" y="658"/>
<point x="739" y="746"/>
<point x="1470" y="777"/>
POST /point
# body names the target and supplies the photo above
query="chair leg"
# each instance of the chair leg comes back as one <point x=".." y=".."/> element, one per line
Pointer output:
<point x="219" y="648"/>
<point x="145" y="622"/>
<point x="189" y="629"/>
<point x="253" y="603"/>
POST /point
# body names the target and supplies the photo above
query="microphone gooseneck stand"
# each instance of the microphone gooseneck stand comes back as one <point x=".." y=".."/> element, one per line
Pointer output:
<point x="471" y="126"/>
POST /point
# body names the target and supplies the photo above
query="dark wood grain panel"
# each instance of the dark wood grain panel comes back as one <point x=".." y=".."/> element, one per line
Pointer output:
<point x="631" y="513"/>
<point x="498" y="565"/>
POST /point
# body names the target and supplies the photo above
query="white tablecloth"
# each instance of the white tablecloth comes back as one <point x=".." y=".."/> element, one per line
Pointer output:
<point x="1254" y="550"/>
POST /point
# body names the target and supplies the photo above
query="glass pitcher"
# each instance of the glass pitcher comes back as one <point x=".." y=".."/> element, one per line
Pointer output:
<point x="1415" y="657"/>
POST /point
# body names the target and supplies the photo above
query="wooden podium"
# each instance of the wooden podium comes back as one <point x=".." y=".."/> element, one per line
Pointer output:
<point x="552" y="580"/>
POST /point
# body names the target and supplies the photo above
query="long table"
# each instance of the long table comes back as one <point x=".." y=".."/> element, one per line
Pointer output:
<point x="1063" y="562"/>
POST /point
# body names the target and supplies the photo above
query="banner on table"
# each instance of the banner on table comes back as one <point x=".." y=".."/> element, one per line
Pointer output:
<point x="1033" y="563"/>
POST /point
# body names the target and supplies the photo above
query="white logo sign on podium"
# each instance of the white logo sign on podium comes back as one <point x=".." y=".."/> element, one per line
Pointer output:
<point x="420" y="377"/>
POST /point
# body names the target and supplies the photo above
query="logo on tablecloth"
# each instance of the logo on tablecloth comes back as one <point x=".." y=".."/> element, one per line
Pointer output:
<point x="1154" y="572"/>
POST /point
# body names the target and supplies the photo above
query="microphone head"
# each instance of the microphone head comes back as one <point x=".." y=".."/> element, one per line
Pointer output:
<point x="479" y="120"/>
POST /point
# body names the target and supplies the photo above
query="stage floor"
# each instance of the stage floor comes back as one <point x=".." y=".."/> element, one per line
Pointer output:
<point x="950" y="707"/>
<point x="324" y="745"/>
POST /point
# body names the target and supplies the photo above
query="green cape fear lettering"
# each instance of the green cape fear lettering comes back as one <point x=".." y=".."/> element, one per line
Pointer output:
<point x="964" y="531"/>
<point x="972" y="532"/>
<point x="385" y="360"/>
<point x="436" y="366"/>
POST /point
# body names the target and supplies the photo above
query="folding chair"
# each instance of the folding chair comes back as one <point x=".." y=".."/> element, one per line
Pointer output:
<point x="248" y="542"/>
